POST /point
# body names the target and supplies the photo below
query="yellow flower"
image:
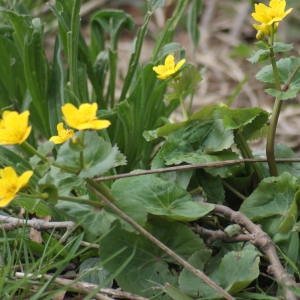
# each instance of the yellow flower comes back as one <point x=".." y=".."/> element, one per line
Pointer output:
<point x="264" y="29"/>
<point x="14" y="127"/>
<point x="10" y="184"/>
<point x="84" y="117"/>
<point x="268" y="15"/>
<point x="169" y="68"/>
<point x="63" y="134"/>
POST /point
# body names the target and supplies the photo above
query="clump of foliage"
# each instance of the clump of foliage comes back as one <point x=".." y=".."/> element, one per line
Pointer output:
<point x="162" y="210"/>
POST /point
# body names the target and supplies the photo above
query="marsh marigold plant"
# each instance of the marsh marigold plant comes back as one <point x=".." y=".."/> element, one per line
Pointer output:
<point x="83" y="117"/>
<point x="14" y="127"/>
<point x="169" y="68"/>
<point x="63" y="134"/>
<point x="10" y="184"/>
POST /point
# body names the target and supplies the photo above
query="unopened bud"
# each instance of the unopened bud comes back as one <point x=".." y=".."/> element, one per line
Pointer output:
<point x="75" y="140"/>
<point x="260" y="35"/>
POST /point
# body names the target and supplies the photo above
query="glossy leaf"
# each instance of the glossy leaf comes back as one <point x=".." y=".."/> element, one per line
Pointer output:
<point x="97" y="222"/>
<point x="264" y="52"/>
<point x="36" y="72"/>
<point x="97" y="159"/>
<point x="160" y="197"/>
<point x="149" y="267"/>
<point x="56" y="88"/>
<point x="192" y="285"/>
<point x="195" y="10"/>
<point x="238" y="270"/>
<point x="286" y="66"/>
<point x="94" y="271"/>
<point x="282" y="95"/>
<point x="274" y="203"/>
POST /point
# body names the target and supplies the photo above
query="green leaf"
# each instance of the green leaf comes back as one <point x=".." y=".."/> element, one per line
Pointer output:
<point x="262" y="45"/>
<point x="56" y="88"/>
<point x="286" y="66"/>
<point x="36" y="72"/>
<point x="192" y="285"/>
<point x="52" y="192"/>
<point x="113" y="22"/>
<point x="194" y="12"/>
<point x="91" y="271"/>
<point x="44" y="149"/>
<point x="238" y="270"/>
<point x="233" y="230"/>
<point x="274" y="203"/>
<point x="149" y="267"/>
<point x="264" y="52"/>
<point x="212" y="187"/>
<point x="289" y="94"/>
<point x="170" y="49"/>
<point x="175" y="153"/>
<point x="188" y="81"/>
<point x="237" y="118"/>
<point x="296" y="227"/>
<point x="174" y="293"/>
<point x="34" y="206"/>
<point x="12" y="76"/>
<point x="96" y="222"/>
<point x="283" y="151"/>
<point x="98" y="155"/>
<point x="154" y="4"/>
<point x="160" y="197"/>
<point x="72" y="49"/>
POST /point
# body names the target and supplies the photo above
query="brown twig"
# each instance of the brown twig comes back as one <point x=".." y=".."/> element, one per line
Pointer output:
<point x="264" y="243"/>
<point x="183" y="262"/>
<point x="196" y="166"/>
<point x="214" y="235"/>
<point x="11" y="223"/>
<point x="85" y="287"/>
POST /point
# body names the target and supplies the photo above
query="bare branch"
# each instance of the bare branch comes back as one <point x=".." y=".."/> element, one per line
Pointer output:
<point x="197" y="166"/>
<point x="11" y="223"/>
<point x="264" y="243"/>
<point x="211" y="235"/>
<point x="183" y="262"/>
<point x="85" y="287"/>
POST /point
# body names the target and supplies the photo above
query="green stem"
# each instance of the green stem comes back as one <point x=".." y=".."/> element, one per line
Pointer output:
<point x="28" y="147"/>
<point x="275" y="113"/>
<point x="81" y="201"/>
<point x="81" y="151"/>
<point x="101" y="188"/>
<point x="185" y="116"/>
<point x="234" y="191"/>
<point x="31" y="196"/>
<point x="249" y="154"/>
<point x="271" y="138"/>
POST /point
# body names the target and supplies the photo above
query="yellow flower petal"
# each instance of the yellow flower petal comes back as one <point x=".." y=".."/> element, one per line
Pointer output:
<point x="63" y="134"/>
<point x="10" y="184"/>
<point x="84" y="117"/>
<point x="169" y="68"/>
<point x="14" y="128"/>
<point x="179" y="65"/>
<point x="273" y="13"/>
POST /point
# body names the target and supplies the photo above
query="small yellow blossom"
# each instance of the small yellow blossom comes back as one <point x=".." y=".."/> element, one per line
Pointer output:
<point x="223" y="105"/>
<point x="169" y="68"/>
<point x="269" y="15"/>
<point x="264" y="30"/>
<point x="14" y="127"/>
<point x="63" y="134"/>
<point x="10" y="184"/>
<point x="83" y="117"/>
